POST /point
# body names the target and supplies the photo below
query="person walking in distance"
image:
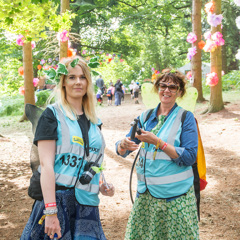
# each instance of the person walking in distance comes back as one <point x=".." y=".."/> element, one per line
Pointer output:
<point x="100" y="83"/>
<point x="118" y="92"/>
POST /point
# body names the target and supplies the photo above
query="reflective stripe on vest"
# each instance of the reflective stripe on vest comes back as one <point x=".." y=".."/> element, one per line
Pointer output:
<point x="166" y="179"/>
<point x="159" y="155"/>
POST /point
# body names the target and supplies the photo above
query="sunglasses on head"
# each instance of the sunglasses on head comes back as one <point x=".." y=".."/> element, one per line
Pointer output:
<point x="172" y="88"/>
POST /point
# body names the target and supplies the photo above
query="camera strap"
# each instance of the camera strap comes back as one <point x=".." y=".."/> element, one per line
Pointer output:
<point x="84" y="124"/>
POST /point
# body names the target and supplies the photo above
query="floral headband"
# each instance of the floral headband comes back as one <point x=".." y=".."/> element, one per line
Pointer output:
<point x="54" y="74"/>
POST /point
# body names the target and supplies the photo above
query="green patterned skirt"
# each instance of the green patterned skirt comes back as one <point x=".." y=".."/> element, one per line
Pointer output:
<point x="157" y="219"/>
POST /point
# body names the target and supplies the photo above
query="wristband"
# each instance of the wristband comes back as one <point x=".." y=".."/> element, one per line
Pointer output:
<point x="164" y="146"/>
<point x="158" y="143"/>
<point x="50" y="211"/>
<point x="50" y="205"/>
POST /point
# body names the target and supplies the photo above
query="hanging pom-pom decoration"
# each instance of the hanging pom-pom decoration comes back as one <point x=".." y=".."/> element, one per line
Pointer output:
<point x="63" y="36"/>
<point x="212" y="79"/>
<point x="192" y="37"/>
<point x="21" y="71"/>
<point x="21" y="91"/>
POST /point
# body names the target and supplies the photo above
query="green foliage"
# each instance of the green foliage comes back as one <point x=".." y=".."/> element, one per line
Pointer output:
<point x="61" y="22"/>
<point x="31" y="18"/>
<point x="231" y="81"/>
<point x="26" y="18"/>
<point x="11" y="106"/>
<point x="10" y="80"/>
<point x="42" y="97"/>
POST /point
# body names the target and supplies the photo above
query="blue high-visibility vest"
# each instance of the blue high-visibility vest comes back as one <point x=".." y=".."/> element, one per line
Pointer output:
<point x="70" y="157"/>
<point x="162" y="176"/>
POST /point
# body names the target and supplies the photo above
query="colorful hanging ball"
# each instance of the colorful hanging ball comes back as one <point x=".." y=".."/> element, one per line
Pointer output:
<point x="35" y="82"/>
<point x="21" y="90"/>
<point x="71" y="52"/>
<point x="201" y="44"/>
<point x="39" y="67"/>
<point x="21" y="71"/>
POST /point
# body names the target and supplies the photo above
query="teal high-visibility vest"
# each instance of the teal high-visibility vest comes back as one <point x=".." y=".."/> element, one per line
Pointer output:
<point x="70" y="158"/>
<point x="162" y="176"/>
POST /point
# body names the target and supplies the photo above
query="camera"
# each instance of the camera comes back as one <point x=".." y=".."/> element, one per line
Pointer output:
<point x="89" y="173"/>
<point x="135" y="128"/>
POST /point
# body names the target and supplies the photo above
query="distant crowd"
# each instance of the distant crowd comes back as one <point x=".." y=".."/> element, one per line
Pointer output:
<point x="117" y="90"/>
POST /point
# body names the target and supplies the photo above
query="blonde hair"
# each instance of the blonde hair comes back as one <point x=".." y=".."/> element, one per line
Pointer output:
<point x="88" y="100"/>
<point x="176" y="76"/>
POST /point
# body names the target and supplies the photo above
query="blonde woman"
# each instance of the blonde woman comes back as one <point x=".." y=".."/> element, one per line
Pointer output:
<point x="69" y="142"/>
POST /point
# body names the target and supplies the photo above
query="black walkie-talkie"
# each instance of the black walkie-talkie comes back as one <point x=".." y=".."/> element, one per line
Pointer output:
<point x="135" y="128"/>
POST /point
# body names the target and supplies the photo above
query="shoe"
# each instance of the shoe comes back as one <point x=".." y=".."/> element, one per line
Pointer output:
<point x="136" y="102"/>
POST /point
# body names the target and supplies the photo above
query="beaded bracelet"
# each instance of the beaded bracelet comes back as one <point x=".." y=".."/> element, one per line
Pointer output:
<point x="50" y="211"/>
<point x="50" y="205"/>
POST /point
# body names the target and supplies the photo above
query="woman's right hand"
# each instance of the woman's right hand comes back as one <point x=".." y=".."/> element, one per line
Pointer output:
<point x="127" y="144"/>
<point x="52" y="226"/>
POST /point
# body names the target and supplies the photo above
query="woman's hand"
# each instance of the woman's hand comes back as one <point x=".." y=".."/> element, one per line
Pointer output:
<point x="127" y="144"/>
<point x="147" y="137"/>
<point x="52" y="226"/>
<point x="107" y="191"/>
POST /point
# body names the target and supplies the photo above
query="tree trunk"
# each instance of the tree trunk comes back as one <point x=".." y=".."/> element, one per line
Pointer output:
<point x="196" y="60"/>
<point x="64" y="45"/>
<point x="216" y="101"/>
<point x="28" y="77"/>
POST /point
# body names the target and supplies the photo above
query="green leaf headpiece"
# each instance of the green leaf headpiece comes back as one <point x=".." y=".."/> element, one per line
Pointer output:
<point x="173" y="71"/>
<point x="54" y="75"/>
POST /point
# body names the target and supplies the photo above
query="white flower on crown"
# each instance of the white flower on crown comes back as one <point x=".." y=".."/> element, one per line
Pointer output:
<point x="237" y="2"/>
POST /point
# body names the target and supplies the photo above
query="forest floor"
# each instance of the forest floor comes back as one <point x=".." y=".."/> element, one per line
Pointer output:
<point x="220" y="201"/>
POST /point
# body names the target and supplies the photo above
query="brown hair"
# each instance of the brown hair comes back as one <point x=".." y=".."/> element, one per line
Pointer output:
<point x="171" y="74"/>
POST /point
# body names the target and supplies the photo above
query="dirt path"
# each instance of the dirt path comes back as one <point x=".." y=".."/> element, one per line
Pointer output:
<point x="220" y="202"/>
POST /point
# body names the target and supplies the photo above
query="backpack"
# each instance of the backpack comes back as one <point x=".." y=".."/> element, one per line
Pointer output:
<point x="136" y="88"/>
<point x="118" y="87"/>
<point x="199" y="167"/>
<point x="109" y="93"/>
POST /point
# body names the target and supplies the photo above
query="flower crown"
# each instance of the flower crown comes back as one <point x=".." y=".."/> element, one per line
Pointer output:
<point x="55" y="74"/>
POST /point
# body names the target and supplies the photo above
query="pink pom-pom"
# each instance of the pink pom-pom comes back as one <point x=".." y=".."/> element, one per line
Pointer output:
<point x="33" y="44"/>
<point x="189" y="75"/>
<point x="63" y="36"/>
<point x="192" y="37"/>
<point x="212" y="79"/>
<point x="35" y="82"/>
<point x="20" y="40"/>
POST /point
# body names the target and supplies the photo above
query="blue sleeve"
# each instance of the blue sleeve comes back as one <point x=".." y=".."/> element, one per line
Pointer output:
<point x="187" y="150"/>
<point x="137" y="141"/>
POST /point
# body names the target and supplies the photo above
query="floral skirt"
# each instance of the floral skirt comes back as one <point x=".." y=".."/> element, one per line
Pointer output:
<point x="157" y="219"/>
<point x="77" y="222"/>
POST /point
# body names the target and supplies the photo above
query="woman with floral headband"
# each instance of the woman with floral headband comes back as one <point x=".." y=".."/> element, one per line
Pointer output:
<point x="165" y="206"/>
<point x="69" y="143"/>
